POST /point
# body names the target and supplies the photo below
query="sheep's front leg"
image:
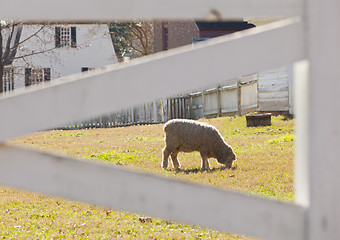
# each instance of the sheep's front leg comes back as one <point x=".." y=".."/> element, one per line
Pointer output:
<point x="205" y="163"/>
<point x="166" y="153"/>
<point x="175" y="161"/>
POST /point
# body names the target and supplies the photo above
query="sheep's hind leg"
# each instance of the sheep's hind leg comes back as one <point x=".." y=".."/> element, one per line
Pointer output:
<point x="175" y="161"/>
<point x="205" y="163"/>
<point x="166" y="153"/>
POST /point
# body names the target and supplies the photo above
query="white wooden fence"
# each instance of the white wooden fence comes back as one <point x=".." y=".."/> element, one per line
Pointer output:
<point x="237" y="97"/>
<point x="158" y="111"/>
<point x="148" y="113"/>
<point x="276" y="90"/>
<point x="314" y="215"/>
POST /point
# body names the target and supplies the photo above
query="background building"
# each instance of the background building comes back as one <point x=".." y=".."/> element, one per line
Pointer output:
<point x="46" y="52"/>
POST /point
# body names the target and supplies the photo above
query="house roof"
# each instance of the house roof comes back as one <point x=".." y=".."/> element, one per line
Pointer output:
<point x="239" y="25"/>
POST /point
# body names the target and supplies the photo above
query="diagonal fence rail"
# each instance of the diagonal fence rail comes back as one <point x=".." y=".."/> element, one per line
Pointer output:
<point x="122" y="189"/>
<point x="83" y="96"/>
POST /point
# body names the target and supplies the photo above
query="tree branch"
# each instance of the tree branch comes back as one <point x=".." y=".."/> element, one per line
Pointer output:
<point x="28" y="38"/>
<point x="134" y="48"/>
<point x="141" y="36"/>
<point x="34" y="53"/>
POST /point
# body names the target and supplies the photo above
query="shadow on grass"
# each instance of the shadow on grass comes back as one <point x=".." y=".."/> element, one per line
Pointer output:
<point x="196" y="170"/>
<point x="288" y="117"/>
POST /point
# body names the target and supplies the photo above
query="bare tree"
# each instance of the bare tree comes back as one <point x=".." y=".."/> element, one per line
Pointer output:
<point x="136" y="37"/>
<point x="10" y="42"/>
<point x="143" y="32"/>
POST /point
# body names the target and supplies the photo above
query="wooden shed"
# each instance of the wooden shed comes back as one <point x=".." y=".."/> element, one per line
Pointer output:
<point x="275" y="90"/>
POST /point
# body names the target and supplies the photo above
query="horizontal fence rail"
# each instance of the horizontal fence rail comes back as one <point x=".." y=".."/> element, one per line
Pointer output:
<point x="146" y="194"/>
<point x="95" y="93"/>
<point x="157" y="9"/>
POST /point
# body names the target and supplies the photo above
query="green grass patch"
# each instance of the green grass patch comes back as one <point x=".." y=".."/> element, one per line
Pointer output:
<point x="64" y="134"/>
<point x="265" y="163"/>
<point x="141" y="139"/>
<point x="285" y="138"/>
<point x="113" y="157"/>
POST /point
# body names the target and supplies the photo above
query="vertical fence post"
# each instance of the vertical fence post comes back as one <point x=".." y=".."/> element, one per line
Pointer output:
<point x="132" y="115"/>
<point x="323" y="119"/>
<point x="155" y="115"/>
<point x="173" y="109"/>
<point x="219" y="101"/>
<point x="203" y="104"/>
<point x="162" y="110"/>
<point x="239" y="104"/>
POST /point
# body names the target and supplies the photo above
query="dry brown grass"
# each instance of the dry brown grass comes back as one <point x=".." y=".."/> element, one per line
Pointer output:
<point x="264" y="168"/>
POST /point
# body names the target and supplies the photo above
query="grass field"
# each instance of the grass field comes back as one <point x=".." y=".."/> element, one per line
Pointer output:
<point x="264" y="168"/>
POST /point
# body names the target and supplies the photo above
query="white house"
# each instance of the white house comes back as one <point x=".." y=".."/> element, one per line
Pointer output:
<point x="46" y="52"/>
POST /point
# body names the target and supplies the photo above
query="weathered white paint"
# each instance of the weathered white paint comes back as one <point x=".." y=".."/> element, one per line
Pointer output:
<point x="196" y="110"/>
<point x="224" y="100"/>
<point x="273" y="89"/>
<point x="291" y="89"/>
<point x="210" y="101"/>
<point x="146" y="194"/>
<point x="229" y="99"/>
<point x="82" y="96"/>
<point x="302" y="185"/>
<point x="249" y="96"/>
<point x="94" y="49"/>
<point x="148" y="9"/>
<point x="274" y="95"/>
<point x="323" y="113"/>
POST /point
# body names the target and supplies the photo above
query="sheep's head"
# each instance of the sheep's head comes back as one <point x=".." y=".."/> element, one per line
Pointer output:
<point x="227" y="158"/>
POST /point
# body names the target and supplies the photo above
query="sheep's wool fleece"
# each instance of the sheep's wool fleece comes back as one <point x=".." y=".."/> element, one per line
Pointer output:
<point x="190" y="135"/>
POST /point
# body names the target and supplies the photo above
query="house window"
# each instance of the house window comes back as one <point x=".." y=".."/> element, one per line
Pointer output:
<point x="66" y="37"/>
<point x="8" y="79"/>
<point x="37" y="75"/>
<point x="85" y="69"/>
<point x="165" y="35"/>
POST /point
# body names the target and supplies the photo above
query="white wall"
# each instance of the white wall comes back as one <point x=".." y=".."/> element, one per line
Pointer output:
<point x="273" y="90"/>
<point x="94" y="49"/>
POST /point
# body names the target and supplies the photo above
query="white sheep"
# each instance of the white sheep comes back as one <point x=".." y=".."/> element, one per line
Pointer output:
<point x="188" y="136"/>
